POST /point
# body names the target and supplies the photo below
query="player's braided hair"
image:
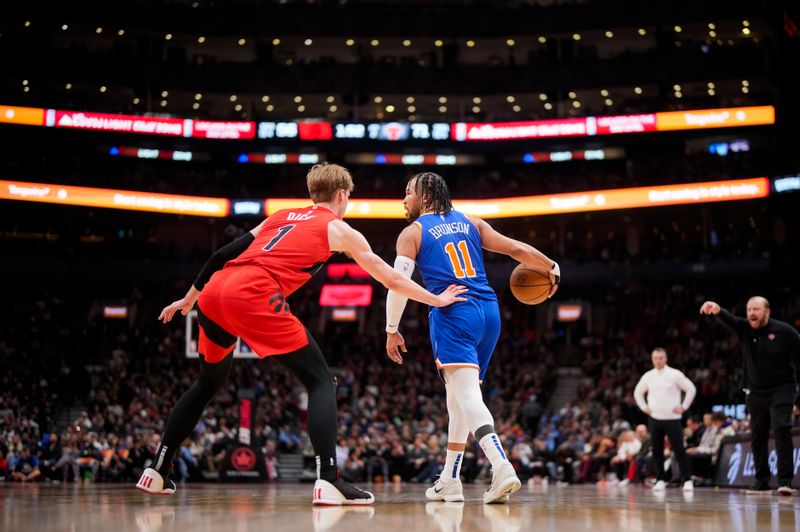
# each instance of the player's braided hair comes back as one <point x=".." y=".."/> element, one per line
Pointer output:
<point x="438" y="194"/>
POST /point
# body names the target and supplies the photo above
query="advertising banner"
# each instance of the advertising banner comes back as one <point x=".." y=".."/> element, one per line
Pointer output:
<point x="174" y="127"/>
<point x="213" y="129"/>
<point x="345" y="295"/>
<point x="28" y="116"/>
<point x="611" y="125"/>
<point x="567" y="127"/>
<point x="593" y="200"/>
<point x="709" y="118"/>
<point x="114" y="199"/>
<point x="315" y="130"/>
<point x="244" y="459"/>
<point x="736" y="467"/>
<point x="596" y="200"/>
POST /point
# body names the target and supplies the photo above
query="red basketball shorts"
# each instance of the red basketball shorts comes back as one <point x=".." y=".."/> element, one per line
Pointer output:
<point x="243" y="301"/>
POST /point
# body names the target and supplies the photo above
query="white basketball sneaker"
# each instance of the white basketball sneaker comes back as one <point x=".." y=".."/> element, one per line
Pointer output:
<point x="504" y="483"/>
<point x="152" y="482"/>
<point x="446" y="491"/>
<point x="340" y="493"/>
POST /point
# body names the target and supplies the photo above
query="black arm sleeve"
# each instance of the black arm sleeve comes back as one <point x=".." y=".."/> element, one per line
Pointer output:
<point x="730" y="321"/>
<point x="221" y="256"/>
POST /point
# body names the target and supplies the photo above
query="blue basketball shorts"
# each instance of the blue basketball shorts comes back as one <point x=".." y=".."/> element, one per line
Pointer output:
<point x="465" y="334"/>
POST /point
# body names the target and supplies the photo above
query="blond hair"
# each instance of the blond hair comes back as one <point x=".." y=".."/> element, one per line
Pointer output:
<point x="325" y="179"/>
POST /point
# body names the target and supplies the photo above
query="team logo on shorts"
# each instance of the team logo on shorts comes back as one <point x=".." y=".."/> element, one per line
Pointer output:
<point x="281" y="306"/>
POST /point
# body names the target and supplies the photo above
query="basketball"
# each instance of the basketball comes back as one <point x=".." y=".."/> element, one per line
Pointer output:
<point x="530" y="286"/>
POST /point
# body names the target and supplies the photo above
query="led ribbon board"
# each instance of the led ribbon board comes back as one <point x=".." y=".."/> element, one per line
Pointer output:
<point x="115" y="199"/>
<point x="611" y="125"/>
<point x="595" y="200"/>
<point x="394" y="131"/>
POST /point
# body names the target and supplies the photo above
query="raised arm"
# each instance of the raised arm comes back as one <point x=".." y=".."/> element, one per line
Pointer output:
<point x="731" y="322"/>
<point x="215" y="263"/>
<point x="342" y="237"/>
<point x="519" y="251"/>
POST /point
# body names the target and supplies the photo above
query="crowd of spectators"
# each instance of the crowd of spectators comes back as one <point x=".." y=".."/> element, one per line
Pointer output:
<point x="95" y="400"/>
<point x="393" y="424"/>
<point x="126" y="379"/>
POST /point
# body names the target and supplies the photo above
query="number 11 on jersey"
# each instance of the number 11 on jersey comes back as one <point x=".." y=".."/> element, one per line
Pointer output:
<point x="460" y="272"/>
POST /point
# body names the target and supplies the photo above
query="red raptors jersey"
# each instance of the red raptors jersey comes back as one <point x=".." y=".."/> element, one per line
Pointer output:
<point x="291" y="247"/>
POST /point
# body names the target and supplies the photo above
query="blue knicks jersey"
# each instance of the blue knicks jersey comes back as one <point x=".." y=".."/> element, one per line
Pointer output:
<point x="450" y="252"/>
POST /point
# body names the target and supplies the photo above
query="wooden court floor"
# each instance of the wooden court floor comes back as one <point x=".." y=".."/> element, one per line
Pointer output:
<point x="398" y="508"/>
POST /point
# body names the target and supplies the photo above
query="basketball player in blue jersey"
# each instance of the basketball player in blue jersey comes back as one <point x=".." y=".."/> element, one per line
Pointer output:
<point x="447" y="246"/>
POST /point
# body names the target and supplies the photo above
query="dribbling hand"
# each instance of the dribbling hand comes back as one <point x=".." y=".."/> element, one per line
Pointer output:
<point x="709" y="308"/>
<point x="451" y="295"/>
<point x="183" y="305"/>
<point x="555" y="279"/>
<point x="394" y="344"/>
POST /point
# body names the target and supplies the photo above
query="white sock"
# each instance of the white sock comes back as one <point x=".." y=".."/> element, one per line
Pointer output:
<point x="494" y="450"/>
<point x="452" y="466"/>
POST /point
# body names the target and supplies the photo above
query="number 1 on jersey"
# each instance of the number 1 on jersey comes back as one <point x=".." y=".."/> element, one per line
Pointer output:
<point x="458" y="270"/>
<point x="282" y="232"/>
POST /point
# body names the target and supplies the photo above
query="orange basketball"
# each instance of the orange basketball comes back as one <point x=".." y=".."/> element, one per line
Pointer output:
<point x="530" y="286"/>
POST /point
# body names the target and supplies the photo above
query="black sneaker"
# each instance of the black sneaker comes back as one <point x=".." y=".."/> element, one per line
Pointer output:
<point x="785" y="489"/>
<point x="340" y="493"/>
<point x="759" y="488"/>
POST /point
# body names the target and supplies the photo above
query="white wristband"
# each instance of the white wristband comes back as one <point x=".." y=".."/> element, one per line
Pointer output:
<point x="396" y="303"/>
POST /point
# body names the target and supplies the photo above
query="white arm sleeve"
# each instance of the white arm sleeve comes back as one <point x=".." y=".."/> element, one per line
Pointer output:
<point x="396" y="303"/>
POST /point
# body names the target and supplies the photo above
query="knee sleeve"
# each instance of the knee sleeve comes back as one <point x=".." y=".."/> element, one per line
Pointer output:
<point x="467" y="393"/>
<point x="458" y="427"/>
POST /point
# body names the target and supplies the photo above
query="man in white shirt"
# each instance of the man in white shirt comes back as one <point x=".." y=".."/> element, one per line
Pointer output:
<point x="663" y="386"/>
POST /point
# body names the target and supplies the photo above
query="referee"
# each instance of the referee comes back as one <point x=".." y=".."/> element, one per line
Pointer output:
<point x="663" y="386"/>
<point x="770" y="347"/>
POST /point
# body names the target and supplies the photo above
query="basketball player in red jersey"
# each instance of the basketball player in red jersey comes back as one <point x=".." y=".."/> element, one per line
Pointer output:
<point x="242" y="290"/>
